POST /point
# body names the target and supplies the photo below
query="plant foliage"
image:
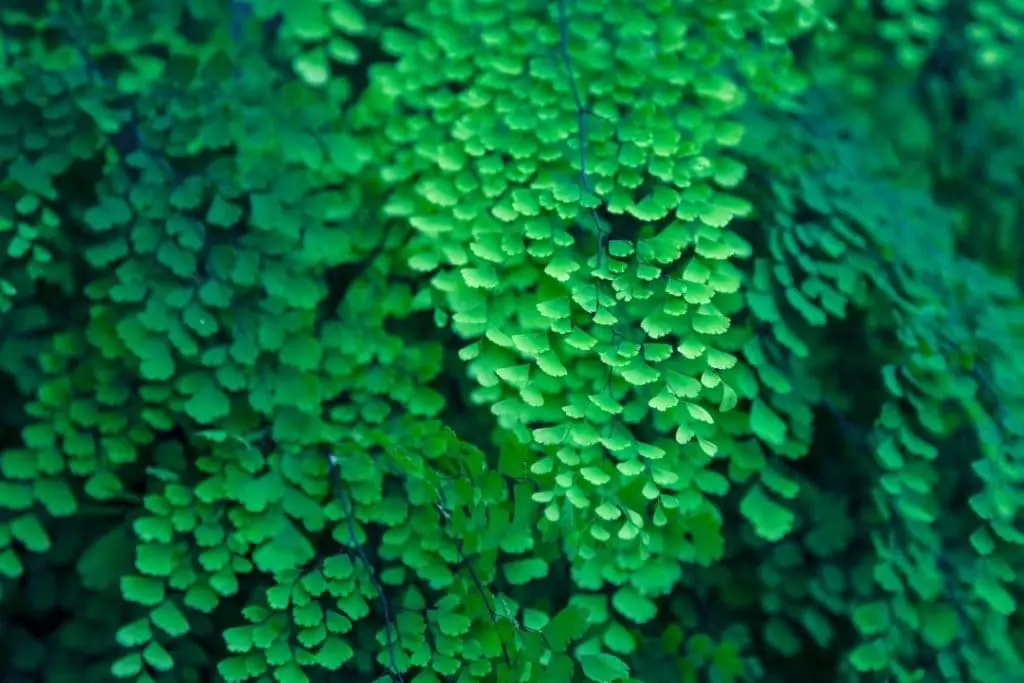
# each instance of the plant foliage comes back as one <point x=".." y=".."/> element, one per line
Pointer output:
<point x="511" y="340"/>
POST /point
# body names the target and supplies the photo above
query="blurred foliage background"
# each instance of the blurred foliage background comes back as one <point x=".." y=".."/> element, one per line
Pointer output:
<point x="511" y="340"/>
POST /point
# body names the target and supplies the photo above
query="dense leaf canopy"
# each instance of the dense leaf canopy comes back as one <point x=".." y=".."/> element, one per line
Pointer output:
<point x="518" y="341"/>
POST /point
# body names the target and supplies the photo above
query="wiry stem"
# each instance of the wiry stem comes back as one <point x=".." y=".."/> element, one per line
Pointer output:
<point x="581" y="126"/>
<point x="349" y="513"/>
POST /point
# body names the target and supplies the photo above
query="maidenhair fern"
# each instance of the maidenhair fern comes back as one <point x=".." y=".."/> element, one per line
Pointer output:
<point x="531" y="340"/>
